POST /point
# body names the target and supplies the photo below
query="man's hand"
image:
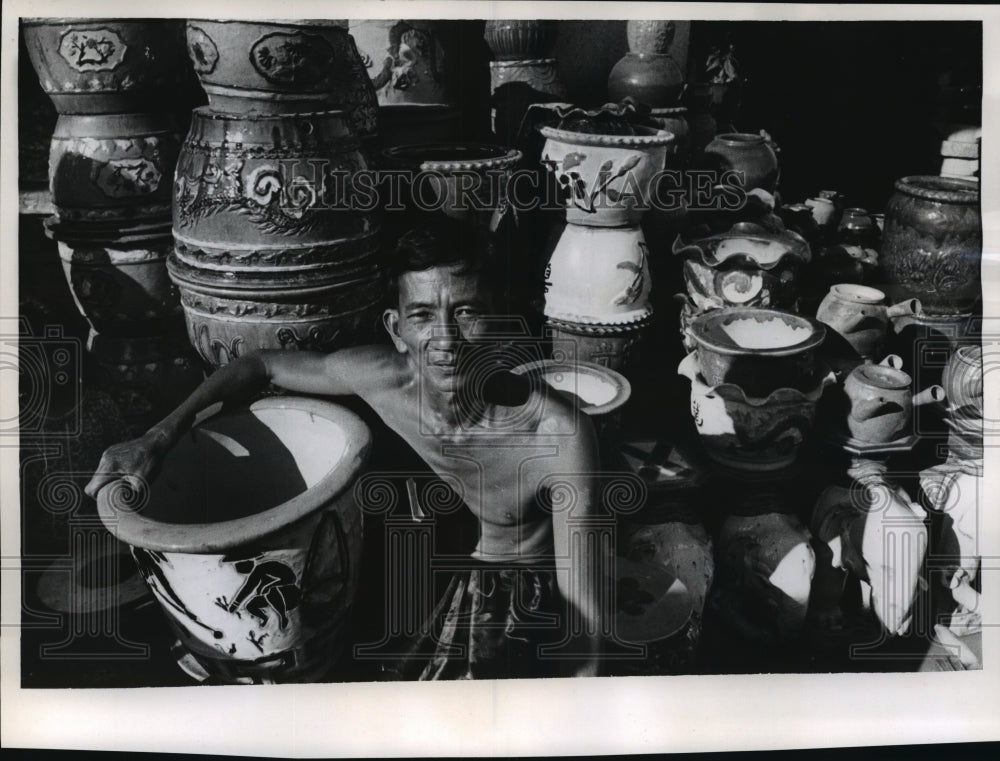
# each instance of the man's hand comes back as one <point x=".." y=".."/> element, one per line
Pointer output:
<point x="134" y="461"/>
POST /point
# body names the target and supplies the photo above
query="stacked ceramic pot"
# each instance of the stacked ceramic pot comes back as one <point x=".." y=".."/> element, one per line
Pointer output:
<point x="523" y="71"/>
<point x="407" y="62"/>
<point x="755" y="382"/>
<point x="267" y="250"/>
<point x="745" y="266"/>
<point x="597" y="282"/>
<point x="110" y="162"/>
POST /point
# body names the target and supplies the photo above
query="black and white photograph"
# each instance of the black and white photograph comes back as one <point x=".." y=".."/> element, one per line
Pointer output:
<point x="618" y="364"/>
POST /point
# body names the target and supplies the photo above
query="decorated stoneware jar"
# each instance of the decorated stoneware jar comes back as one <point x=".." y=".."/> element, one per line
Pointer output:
<point x="749" y="154"/>
<point x="228" y="318"/>
<point x="881" y="402"/>
<point x="250" y="537"/>
<point x="758" y="350"/>
<point x="267" y="192"/>
<point x="405" y="59"/>
<point x="861" y="316"/>
<point x="746" y="432"/>
<point x="520" y="39"/>
<point x="466" y="181"/>
<point x="963" y="383"/>
<point x="647" y="72"/>
<point x="121" y="290"/>
<point x="932" y="244"/>
<point x="607" y="179"/>
<point x="283" y="67"/>
<point x="744" y="266"/>
<point x="112" y="168"/>
<point x="105" y="66"/>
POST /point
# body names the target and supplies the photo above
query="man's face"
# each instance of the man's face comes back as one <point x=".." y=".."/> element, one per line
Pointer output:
<point x="439" y="320"/>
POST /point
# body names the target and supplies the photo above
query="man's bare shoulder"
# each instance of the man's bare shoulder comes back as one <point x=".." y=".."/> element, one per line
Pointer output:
<point x="375" y="366"/>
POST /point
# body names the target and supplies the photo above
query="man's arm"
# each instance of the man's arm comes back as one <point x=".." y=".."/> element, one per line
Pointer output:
<point x="344" y="372"/>
<point x="582" y="555"/>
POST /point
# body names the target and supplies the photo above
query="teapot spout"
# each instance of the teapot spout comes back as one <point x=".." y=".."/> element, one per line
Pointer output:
<point x="892" y="360"/>
<point x="931" y="395"/>
<point x="909" y="307"/>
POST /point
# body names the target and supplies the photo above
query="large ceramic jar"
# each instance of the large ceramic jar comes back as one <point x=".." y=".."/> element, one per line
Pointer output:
<point x="607" y="179"/>
<point x="283" y="67"/>
<point x="250" y="538"/>
<point x="105" y="168"/>
<point x="932" y="244"/>
<point x="405" y="59"/>
<point x="520" y="39"/>
<point x="747" y="153"/>
<point x="266" y="192"/>
<point x="648" y="72"/>
<point x="466" y="181"/>
<point x="105" y="66"/>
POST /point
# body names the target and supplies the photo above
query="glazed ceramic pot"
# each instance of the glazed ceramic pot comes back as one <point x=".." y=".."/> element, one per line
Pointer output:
<point x="758" y="350"/>
<point x="121" y="290"/>
<point x="267" y="192"/>
<point x="963" y="383"/>
<point x="404" y="59"/>
<point x="751" y="433"/>
<point x="105" y="66"/>
<point x="226" y="320"/>
<point x="861" y="316"/>
<point x="616" y="347"/>
<point x="598" y="391"/>
<point x="766" y="566"/>
<point x="520" y="39"/>
<point x="857" y="228"/>
<point x="933" y="242"/>
<point x="744" y="266"/>
<point x="598" y="275"/>
<point x="608" y="179"/>
<point x="112" y="168"/>
<point x="881" y="402"/>
<point x="250" y="537"/>
<point x="466" y="181"/>
<point x="651" y="78"/>
<point x="538" y="75"/>
<point x="747" y="153"/>
<point x="283" y="67"/>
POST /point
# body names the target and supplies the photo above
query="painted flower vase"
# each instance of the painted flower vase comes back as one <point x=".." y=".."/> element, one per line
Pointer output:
<point x="250" y="538"/>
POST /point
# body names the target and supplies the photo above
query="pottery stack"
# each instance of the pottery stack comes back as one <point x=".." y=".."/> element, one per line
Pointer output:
<point x="407" y="61"/>
<point x="522" y="72"/>
<point x="597" y="281"/>
<point x="755" y="381"/>
<point x="267" y="251"/>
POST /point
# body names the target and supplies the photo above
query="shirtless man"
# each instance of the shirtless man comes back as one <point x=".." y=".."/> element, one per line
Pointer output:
<point x="509" y="443"/>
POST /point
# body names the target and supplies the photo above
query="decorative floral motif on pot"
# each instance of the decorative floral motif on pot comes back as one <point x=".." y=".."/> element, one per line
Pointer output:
<point x="92" y="49"/>
<point x="299" y="58"/>
<point x="202" y="51"/>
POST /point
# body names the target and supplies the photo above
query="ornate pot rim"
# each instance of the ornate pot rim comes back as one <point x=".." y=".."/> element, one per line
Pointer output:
<point x="263" y="285"/>
<point x="128" y="523"/>
<point x="701" y="325"/>
<point x="623" y="389"/>
<point x="734" y="393"/>
<point x="649" y="138"/>
<point x="796" y="247"/>
<point x="940" y="189"/>
<point x="479" y="156"/>
<point x="740" y="138"/>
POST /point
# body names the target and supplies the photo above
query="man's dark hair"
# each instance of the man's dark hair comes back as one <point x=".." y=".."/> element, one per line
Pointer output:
<point x="440" y="241"/>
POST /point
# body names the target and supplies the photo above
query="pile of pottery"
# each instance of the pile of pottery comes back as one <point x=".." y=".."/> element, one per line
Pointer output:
<point x="597" y="281"/>
<point x="407" y="60"/>
<point x="111" y="159"/>
<point x="755" y="381"/>
<point x="268" y="253"/>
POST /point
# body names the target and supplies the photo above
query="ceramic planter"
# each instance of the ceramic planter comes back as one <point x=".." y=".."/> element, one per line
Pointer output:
<point x="607" y="178"/>
<point x="404" y="59"/>
<point x="758" y="350"/>
<point x="748" y="154"/>
<point x="105" y="66"/>
<point x="761" y="433"/>
<point x="597" y="390"/>
<point x="744" y="266"/>
<point x="520" y="39"/>
<point x="121" y="290"/>
<point x="932" y="244"/>
<point x="861" y="316"/>
<point x="112" y="168"/>
<point x="266" y="192"/>
<point x="287" y="67"/>
<point x="250" y="538"/>
<point x="616" y="347"/>
<point x="881" y="402"/>
<point x="467" y="181"/>
<point x="598" y="275"/>
<point x="225" y="321"/>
